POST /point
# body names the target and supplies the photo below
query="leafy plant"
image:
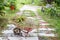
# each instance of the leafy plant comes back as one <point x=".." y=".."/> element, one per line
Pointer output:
<point x="52" y="12"/>
<point x="1" y="7"/>
<point x="19" y="19"/>
<point x="57" y="2"/>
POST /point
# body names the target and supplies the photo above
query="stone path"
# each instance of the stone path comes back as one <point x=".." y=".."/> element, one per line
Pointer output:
<point x="34" y="9"/>
<point x="42" y="23"/>
<point x="28" y="7"/>
<point x="9" y="35"/>
<point x="19" y="38"/>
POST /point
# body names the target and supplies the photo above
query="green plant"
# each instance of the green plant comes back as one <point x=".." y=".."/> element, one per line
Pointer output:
<point x="49" y="1"/>
<point x="52" y="12"/>
<point x="1" y="7"/>
<point x="39" y="2"/>
<point x="57" y="2"/>
<point x="19" y="19"/>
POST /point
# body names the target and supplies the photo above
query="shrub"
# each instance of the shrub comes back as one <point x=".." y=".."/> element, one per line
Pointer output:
<point x="1" y="7"/>
<point x="57" y="2"/>
<point x="51" y="12"/>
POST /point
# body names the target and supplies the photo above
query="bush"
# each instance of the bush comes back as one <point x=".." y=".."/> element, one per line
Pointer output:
<point x="52" y="12"/>
<point x="57" y="2"/>
<point x="1" y="7"/>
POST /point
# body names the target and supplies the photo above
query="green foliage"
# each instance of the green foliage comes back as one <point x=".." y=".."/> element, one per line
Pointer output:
<point x="18" y="4"/>
<point x="51" y="12"/>
<point x="1" y="1"/>
<point x="43" y="2"/>
<point x="8" y="3"/>
<point x="28" y="1"/>
<point x="2" y="7"/>
<point x="39" y="2"/>
<point x="58" y="11"/>
<point x="19" y="19"/>
<point x="57" y="2"/>
<point x="25" y="1"/>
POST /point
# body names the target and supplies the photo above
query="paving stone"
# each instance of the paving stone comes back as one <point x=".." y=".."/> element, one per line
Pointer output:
<point x="20" y="38"/>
